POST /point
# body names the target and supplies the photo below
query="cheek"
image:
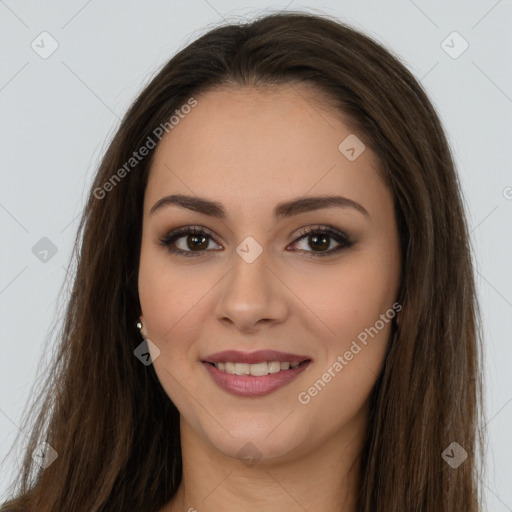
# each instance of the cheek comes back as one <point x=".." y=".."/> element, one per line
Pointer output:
<point x="163" y="293"/>
<point x="174" y="302"/>
<point x="350" y="299"/>
<point x="171" y="308"/>
<point x="359" y="316"/>
<point x="356" y="311"/>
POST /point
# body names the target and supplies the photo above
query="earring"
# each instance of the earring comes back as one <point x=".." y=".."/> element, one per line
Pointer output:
<point x="147" y="351"/>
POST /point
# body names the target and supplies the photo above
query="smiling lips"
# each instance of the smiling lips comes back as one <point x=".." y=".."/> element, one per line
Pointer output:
<point x="254" y="374"/>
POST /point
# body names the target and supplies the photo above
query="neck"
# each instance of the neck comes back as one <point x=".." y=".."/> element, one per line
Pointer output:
<point x="324" y="478"/>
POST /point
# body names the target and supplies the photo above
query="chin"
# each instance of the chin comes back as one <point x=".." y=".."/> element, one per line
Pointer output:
<point x="262" y="443"/>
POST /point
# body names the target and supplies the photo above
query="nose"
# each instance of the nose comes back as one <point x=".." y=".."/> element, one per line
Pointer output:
<point x="250" y="295"/>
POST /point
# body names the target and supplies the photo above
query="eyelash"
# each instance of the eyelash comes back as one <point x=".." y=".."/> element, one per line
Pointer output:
<point x="338" y="236"/>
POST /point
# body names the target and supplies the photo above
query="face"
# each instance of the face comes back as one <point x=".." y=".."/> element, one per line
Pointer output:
<point x="315" y="281"/>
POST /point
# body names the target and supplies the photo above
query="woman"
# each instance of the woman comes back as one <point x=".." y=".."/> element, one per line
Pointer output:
<point x="274" y="306"/>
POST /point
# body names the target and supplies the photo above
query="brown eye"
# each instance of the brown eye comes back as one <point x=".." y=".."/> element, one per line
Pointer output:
<point x="195" y="242"/>
<point x="319" y="240"/>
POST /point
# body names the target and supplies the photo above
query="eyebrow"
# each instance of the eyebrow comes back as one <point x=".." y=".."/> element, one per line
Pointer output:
<point x="282" y="210"/>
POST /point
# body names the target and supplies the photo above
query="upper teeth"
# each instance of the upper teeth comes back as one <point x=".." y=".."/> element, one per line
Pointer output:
<point x="257" y="369"/>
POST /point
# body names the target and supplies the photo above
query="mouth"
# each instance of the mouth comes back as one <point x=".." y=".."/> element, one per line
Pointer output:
<point x="254" y="374"/>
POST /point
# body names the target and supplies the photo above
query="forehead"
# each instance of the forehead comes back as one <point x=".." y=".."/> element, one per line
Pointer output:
<point x="242" y="144"/>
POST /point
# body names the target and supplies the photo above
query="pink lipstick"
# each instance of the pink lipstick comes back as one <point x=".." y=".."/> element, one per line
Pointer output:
<point x="254" y="374"/>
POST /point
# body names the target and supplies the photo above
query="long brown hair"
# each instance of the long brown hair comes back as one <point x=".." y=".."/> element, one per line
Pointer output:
<point x="115" y="430"/>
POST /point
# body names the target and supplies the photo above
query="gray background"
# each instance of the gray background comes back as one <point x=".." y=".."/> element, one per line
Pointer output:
<point x="58" y="113"/>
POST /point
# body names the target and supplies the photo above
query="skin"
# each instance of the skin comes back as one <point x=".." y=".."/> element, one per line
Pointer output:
<point x="251" y="149"/>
